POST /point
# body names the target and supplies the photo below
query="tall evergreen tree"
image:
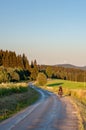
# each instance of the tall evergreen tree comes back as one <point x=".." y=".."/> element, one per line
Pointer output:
<point x="32" y="64"/>
<point x="20" y="62"/>
<point x="25" y="62"/>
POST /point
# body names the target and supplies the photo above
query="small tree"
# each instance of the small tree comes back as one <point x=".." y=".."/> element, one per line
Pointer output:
<point x="41" y="79"/>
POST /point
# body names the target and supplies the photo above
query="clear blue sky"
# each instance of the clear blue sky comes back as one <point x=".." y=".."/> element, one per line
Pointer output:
<point x="50" y="31"/>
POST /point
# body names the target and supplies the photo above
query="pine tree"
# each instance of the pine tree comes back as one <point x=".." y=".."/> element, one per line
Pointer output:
<point x="25" y="62"/>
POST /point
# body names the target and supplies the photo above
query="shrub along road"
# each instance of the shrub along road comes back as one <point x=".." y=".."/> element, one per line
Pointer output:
<point x="49" y="113"/>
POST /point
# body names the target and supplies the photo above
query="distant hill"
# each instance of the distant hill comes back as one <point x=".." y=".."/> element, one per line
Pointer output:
<point x="71" y="66"/>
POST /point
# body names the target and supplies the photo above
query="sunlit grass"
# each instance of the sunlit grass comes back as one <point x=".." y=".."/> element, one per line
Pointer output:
<point x="10" y="88"/>
<point x="67" y="84"/>
<point x="14" y="97"/>
<point x="77" y="89"/>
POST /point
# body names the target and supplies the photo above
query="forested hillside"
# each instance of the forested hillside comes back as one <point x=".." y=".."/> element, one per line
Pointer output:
<point x="17" y="67"/>
<point x="10" y="59"/>
<point x="59" y="72"/>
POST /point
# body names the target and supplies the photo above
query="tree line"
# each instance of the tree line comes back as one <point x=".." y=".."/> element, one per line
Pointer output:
<point x="58" y="72"/>
<point x="10" y="59"/>
<point x="17" y="68"/>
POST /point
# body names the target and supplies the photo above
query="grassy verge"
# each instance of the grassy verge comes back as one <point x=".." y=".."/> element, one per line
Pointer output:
<point x="77" y="90"/>
<point x="11" y="88"/>
<point x="16" y="101"/>
<point x="82" y="110"/>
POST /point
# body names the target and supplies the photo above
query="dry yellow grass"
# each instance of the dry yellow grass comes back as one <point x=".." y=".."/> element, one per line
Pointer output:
<point x="6" y="85"/>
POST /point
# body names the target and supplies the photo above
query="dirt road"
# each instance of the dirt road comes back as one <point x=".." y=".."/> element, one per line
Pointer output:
<point x="49" y="113"/>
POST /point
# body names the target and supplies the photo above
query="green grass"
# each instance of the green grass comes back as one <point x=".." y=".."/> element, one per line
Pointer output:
<point x="66" y="84"/>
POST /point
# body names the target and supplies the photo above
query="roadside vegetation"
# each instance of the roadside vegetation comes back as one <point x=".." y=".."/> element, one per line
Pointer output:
<point x="76" y="90"/>
<point x="7" y="89"/>
<point x="14" y="97"/>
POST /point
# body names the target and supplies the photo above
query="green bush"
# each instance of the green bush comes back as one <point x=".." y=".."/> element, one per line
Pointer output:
<point x="41" y="79"/>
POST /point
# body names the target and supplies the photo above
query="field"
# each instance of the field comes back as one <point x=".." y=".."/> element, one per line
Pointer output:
<point x="76" y="90"/>
<point x="67" y="84"/>
<point x="14" y="97"/>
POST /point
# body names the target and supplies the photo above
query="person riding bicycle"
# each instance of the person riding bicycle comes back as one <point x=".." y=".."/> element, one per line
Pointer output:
<point x="60" y="91"/>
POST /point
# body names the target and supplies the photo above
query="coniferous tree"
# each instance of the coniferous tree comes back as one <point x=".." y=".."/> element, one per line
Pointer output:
<point x="14" y="59"/>
<point x="20" y="62"/>
<point x="1" y="57"/>
<point x="34" y="70"/>
<point x="25" y="62"/>
<point x="32" y="64"/>
<point x="6" y="59"/>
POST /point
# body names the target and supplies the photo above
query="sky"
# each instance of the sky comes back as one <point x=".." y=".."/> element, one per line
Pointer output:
<point x="50" y="31"/>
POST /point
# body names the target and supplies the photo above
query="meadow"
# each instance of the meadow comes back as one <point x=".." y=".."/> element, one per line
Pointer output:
<point x="75" y="89"/>
<point x="66" y="84"/>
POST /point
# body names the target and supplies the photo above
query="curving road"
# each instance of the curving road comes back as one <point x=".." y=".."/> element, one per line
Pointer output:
<point x="49" y="113"/>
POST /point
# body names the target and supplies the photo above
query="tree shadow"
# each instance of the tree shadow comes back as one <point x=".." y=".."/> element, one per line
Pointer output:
<point x="54" y="84"/>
